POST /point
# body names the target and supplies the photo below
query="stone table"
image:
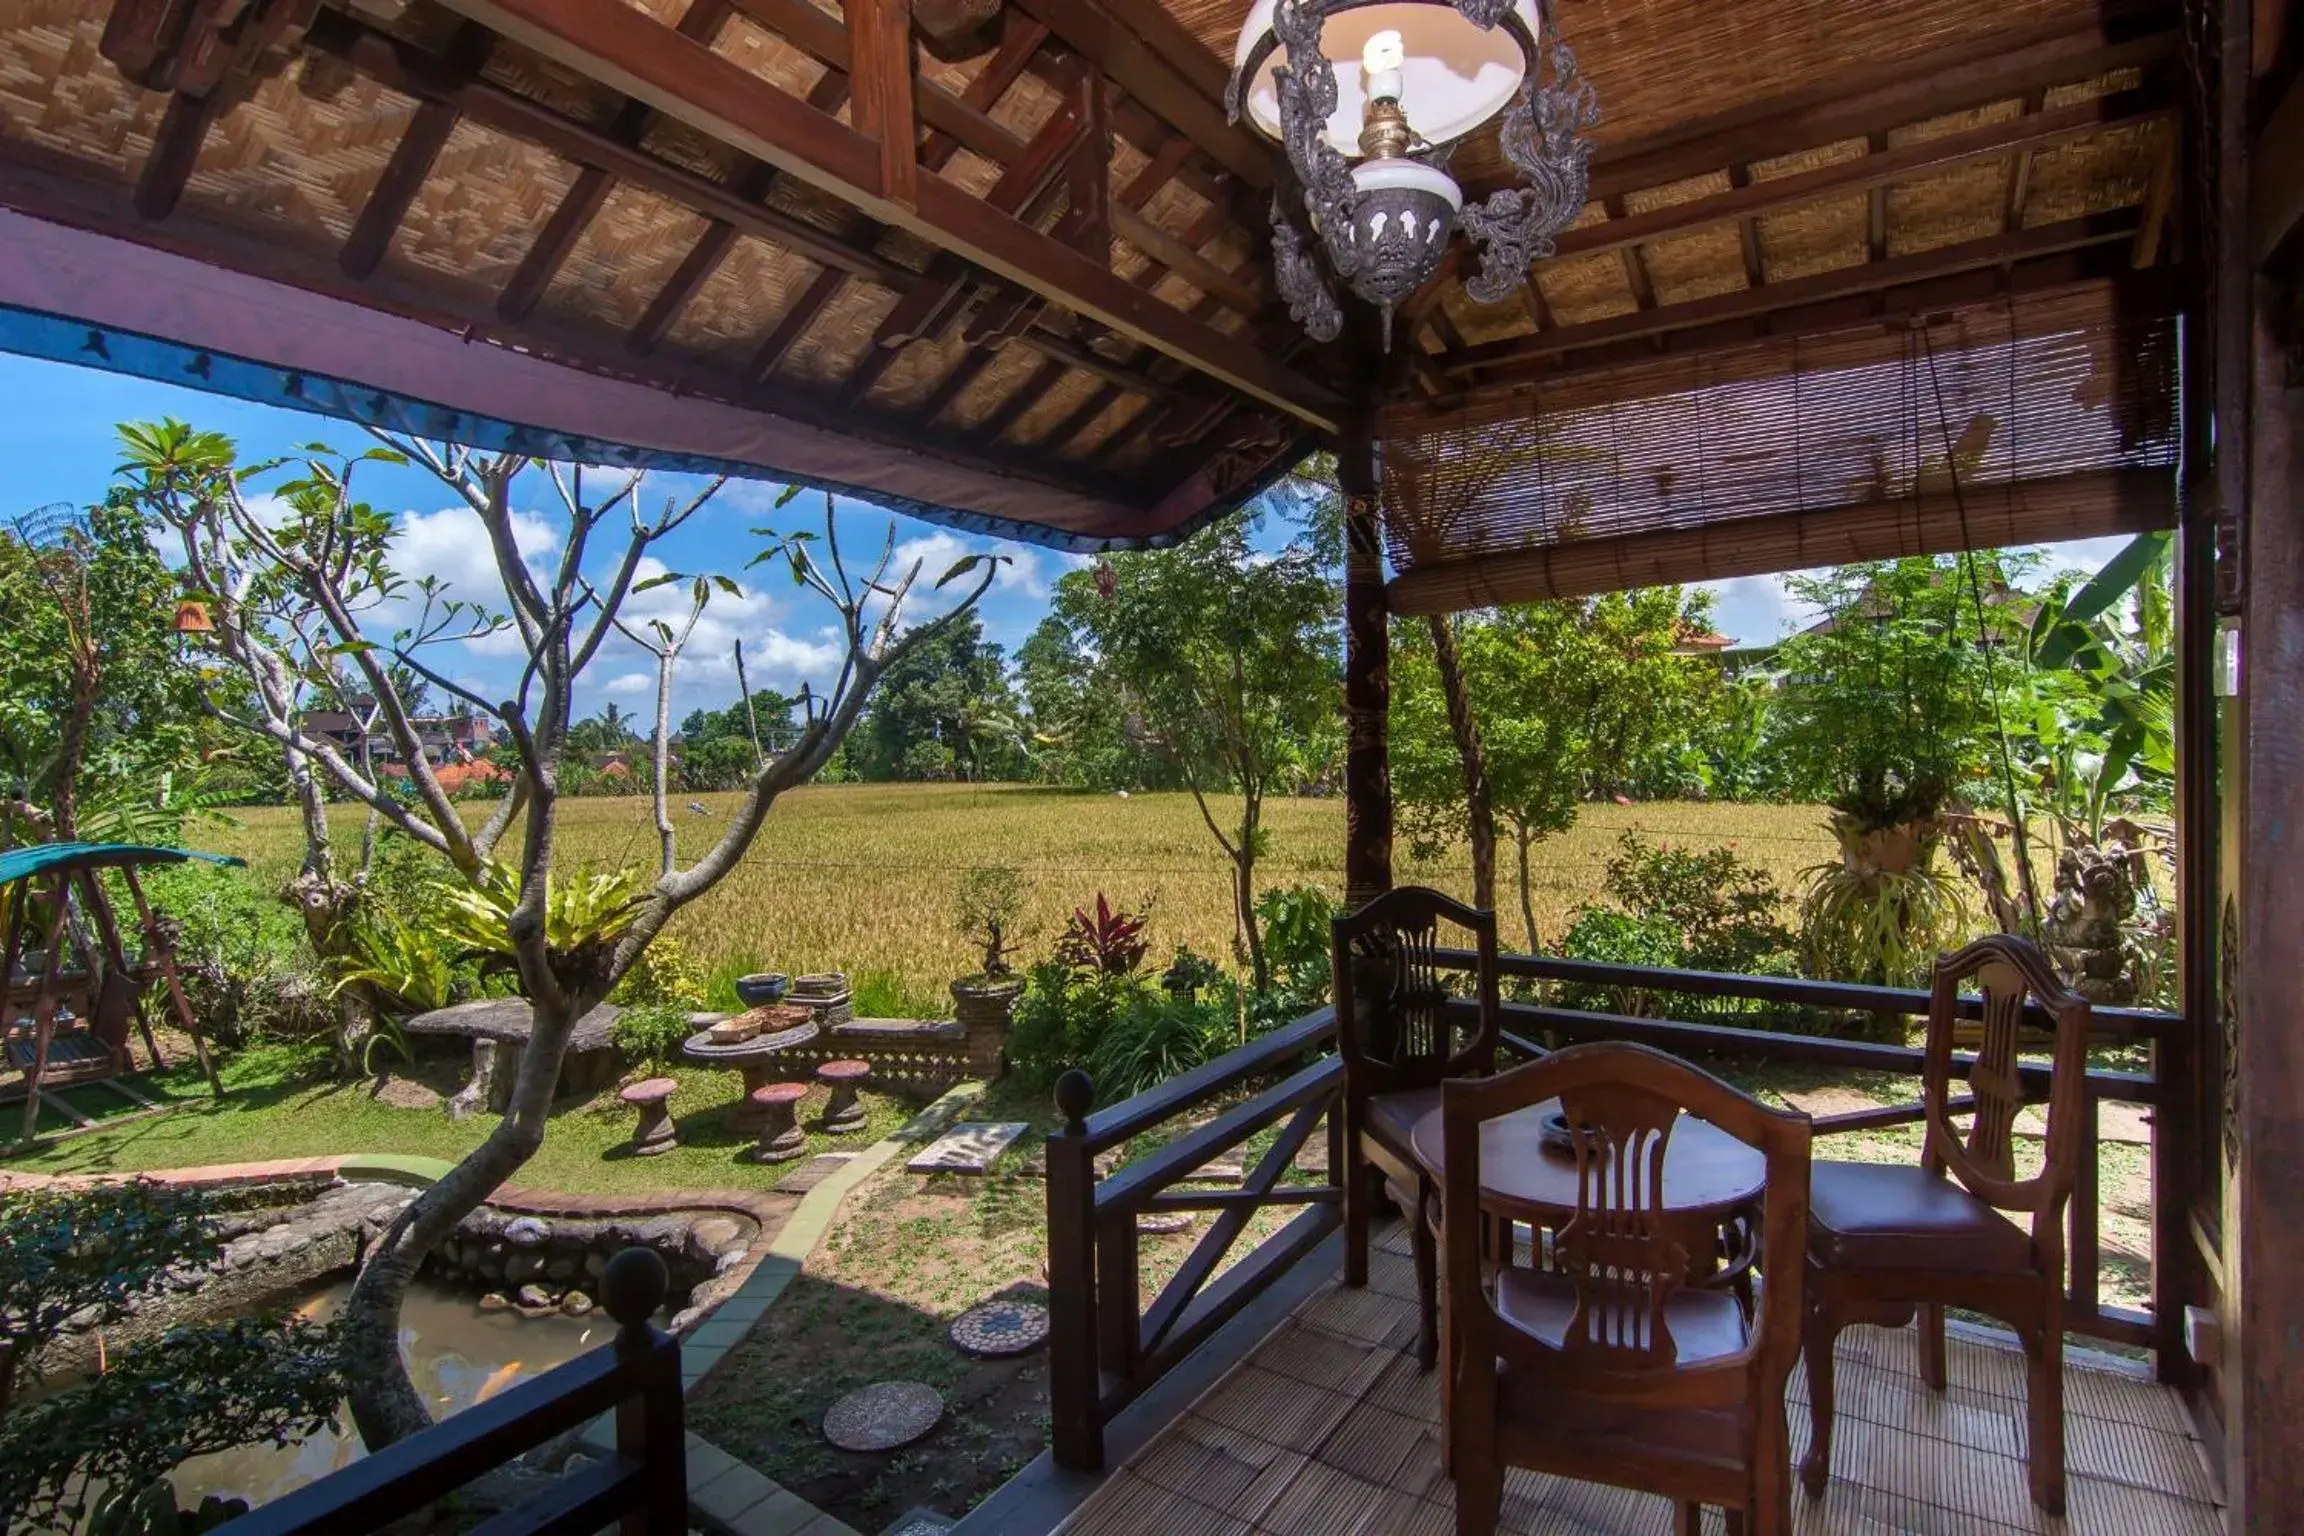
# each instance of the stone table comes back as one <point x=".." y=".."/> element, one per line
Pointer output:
<point x="498" y="1029"/>
<point x="756" y="1058"/>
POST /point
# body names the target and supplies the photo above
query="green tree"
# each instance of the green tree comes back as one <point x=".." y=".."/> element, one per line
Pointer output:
<point x="946" y="711"/>
<point x="96" y="704"/>
<point x="1224" y="661"/>
<point x="1565" y="692"/>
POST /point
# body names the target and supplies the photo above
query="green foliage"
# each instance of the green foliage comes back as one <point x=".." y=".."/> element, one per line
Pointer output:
<point x="583" y="916"/>
<point x="1683" y="909"/>
<point x="1153" y="1036"/>
<point x="1880" y="926"/>
<point x="1061" y="1016"/>
<point x="649" y="1034"/>
<point x="1190" y="972"/>
<point x="246" y="965"/>
<point x="1570" y="696"/>
<point x="1109" y="941"/>
<point x="1222" y="659"/>
<point x="75" y="1258"/>
<point x="408" y="968"/>
<point x="1887" y="708"/>
<point x="986" y="909"/>
<point x="151" y="1511"/>
<point x="664" y="973"/>
<point x="1297" y="921"/>
<point x="945" y="711"/>
<point x="96" y="703"/>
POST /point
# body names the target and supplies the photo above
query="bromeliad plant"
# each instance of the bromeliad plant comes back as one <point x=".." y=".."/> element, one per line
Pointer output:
<point x="584" y="918"/>
<point x="1110" y="942"/>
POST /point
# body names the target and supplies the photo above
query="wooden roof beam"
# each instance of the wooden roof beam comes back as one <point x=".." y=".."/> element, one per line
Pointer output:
<point x="629" y="51"/>
<point x="175" y="150"/>
<point x="411" y="163"/>
<point x="412" y="71"/>
<point x="573" y="214"/>
<point x="882" y="91"/>
<point x="1496" y="360"/>
<point x="2276" y="197"/>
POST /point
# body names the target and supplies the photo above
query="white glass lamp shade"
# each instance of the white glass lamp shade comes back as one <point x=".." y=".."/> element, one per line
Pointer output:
<point x="1453" y="76"/>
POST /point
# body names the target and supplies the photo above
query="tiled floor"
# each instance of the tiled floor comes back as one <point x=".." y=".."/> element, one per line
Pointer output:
<point x="1330" y="1430"/>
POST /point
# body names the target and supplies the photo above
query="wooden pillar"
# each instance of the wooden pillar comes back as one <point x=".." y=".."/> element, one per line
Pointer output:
<point x="1367" y="672"/>
<point x="2267" y="1260"/>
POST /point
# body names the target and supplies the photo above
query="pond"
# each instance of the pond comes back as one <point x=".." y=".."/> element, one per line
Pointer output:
<point x="459" y="1355"/>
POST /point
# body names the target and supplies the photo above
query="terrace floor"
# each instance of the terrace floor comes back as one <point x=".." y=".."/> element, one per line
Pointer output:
<point x="1328" y="1429"/>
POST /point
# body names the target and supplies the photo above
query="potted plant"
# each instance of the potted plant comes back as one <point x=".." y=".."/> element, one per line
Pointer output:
<point x="1887" y="710"/>
<point x="988" y="910"/>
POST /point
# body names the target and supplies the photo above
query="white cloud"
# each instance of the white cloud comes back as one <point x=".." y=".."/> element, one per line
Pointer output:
<point x="628" y="684"/>
<point x="1757" y="610"/>
<point x="452" y="547"/>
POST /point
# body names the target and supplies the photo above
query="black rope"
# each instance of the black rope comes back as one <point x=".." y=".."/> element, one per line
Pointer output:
<point x="1983" y="627"/>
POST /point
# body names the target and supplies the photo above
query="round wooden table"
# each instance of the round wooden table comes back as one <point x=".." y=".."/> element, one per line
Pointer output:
<point x="1707" y="1172"/>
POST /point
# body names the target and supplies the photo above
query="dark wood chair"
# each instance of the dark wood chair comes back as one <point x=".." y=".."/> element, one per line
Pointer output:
<point x="1399" y="1036"/>
<point x="1886" y="1240"/>
<point x="1615" y="1364"/>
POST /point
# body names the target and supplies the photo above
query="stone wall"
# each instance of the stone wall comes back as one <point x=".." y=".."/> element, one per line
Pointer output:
<point x="539" y="1262"/>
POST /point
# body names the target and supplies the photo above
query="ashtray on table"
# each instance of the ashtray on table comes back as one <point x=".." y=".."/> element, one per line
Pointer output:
<point x="1555" y="1134"/>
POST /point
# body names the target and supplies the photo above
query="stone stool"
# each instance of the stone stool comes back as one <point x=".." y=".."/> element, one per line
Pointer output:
<point x="843" y="1114"/>
<point x="780" y="1136"/>
<point x="652" y="1096"/>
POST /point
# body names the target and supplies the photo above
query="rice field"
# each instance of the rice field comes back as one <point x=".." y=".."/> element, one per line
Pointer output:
<point x="860" y="877"/>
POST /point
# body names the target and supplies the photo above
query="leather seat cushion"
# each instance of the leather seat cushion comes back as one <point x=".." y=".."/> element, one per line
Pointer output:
<point x="1897" y="1216"/>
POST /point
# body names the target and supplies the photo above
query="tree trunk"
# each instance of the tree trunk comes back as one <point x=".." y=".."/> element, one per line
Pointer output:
<point x="1244" y="905"/>
<point x="1479" y="812"/>
<point x="1522" y="842"/>
<point x="385" y="1404"/>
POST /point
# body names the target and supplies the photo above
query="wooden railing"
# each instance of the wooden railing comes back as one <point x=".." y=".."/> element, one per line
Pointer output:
<point x="643" y="1485"/>
<point x="2086" y="1312"/>
<point x="1105" y="1344"/>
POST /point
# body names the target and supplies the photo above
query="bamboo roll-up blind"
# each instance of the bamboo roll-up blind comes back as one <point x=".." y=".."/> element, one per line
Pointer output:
<point x="2064" y="387"/>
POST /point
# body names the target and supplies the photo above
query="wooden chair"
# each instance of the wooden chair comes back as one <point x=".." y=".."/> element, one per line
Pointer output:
<point x="1397" y="1039"/>
<point x="1886" y="1240"/>
<point x="1615" y="1365"/>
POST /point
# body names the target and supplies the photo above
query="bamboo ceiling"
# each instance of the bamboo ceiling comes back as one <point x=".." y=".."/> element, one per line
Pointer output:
<point x="1024" y="264"/>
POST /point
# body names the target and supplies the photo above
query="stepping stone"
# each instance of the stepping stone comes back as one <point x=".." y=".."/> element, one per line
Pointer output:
<point x="1035" y="1164"/>
<point x="1830" y="1100"/>
<point x="1313" y="1158"/>
<point x="812" y="1173"/>
<point x="1160" y="1223"/>
<point x="998" y="1329"/>
<point x="1228" y="1167"/>
<point x="969" y="1147"/>
<point x="920" y="1522"/>
<point x="883" y="1416"/>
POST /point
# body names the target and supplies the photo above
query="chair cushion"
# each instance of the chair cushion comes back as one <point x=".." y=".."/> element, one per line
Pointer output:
<point x="1707" y="1326"/>
<point x="1896" y="1216"/>
<point x="1392" y="1117"/>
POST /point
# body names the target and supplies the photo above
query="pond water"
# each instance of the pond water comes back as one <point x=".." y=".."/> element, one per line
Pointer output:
<point x="459" y="1355"/>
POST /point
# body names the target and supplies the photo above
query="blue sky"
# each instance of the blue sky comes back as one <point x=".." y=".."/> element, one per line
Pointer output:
<point x="56" y="432"/>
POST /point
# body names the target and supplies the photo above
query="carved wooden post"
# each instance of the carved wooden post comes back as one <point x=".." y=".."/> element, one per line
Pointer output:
<point x="1075" y="1386"/>
<point x="1367" y="672"/>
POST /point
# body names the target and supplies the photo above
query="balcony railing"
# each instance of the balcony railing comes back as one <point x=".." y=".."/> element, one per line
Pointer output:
<point x="1106" y="1346"/>
<point x="642" y="1486"/>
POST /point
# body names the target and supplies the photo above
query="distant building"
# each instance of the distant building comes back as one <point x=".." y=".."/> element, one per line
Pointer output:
<point x="444" y="738"/>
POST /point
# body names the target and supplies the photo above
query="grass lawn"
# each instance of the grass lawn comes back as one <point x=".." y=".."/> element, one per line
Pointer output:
<point x="280" y="1102"/>
<point x="860" y="877"/>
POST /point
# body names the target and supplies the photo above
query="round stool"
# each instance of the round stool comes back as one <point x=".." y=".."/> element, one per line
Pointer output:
<point x="780" y="1137"/>
<point x="652" y="1096"/>
<point x="843" y="1114"/>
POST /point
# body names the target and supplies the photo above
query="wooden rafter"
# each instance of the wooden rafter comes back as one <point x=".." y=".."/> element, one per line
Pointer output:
<point x="702" y="22"/>
<point x="175" y="149"/>
<point x="882" y="86"/>
<point x="411" y="163"/>
<point x="648" y="61"/>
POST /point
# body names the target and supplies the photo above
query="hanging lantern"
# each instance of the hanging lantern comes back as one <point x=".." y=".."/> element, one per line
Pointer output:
<point x="192" y="617"/>
<point x="1370" y="100"/>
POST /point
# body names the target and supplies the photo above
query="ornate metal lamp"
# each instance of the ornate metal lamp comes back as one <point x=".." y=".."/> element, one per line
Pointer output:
<point x="1370" y="99"/>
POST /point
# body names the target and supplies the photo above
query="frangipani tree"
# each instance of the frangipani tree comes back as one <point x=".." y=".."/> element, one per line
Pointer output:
<point x="308" y="607"/>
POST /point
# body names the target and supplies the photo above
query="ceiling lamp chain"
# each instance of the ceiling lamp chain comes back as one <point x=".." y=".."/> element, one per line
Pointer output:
<point x="1369" y="99"/>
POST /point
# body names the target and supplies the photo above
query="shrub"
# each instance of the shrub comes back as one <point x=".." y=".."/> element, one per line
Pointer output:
<point x="1063" y="1016"/>
<point x="407" y="966"/>
<point x="649" y="1034"/>
<point x="1296" y="921"/>
<point x="1151" y="1037"/>
<point x="1723" y="909"/>
<point x="664" y="973"/>
<point x="1110" y="942"/>
<point x="247" y="969"/>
